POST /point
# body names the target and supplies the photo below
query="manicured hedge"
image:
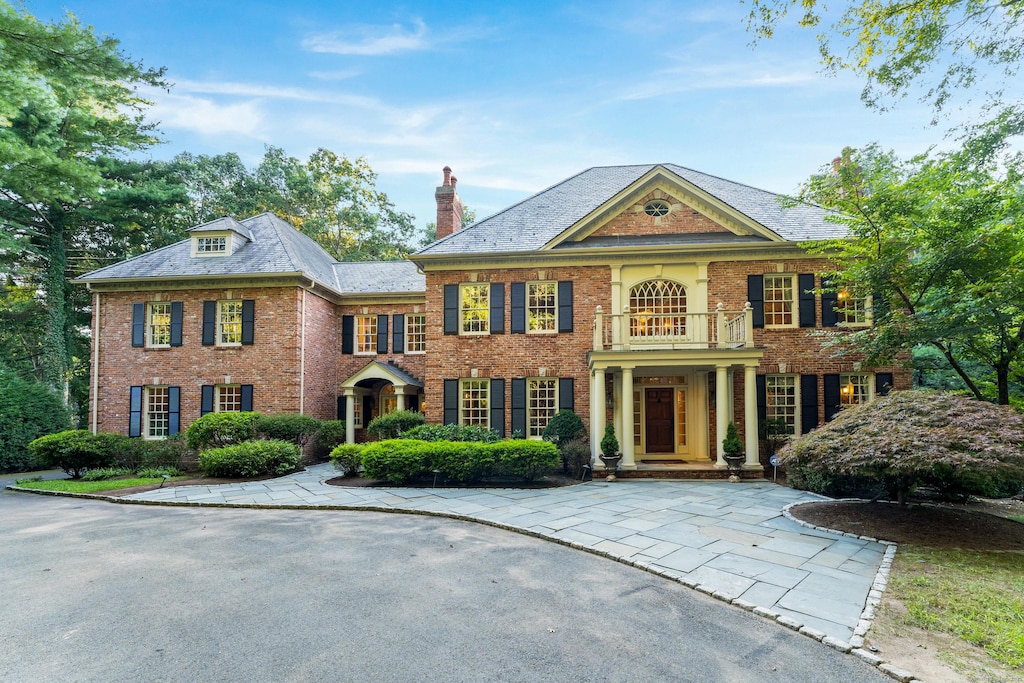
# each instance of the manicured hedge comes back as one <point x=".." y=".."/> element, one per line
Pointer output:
<point x="251" y="459"/>
<point x="77" y="450"/>
<point x="215" y="430"/>
<point x="348" y="457"/>
<point x="452" y="432"/>
<point x="399" y="460"/>
<point x="298" y="429"/>
<point x="394" y="424"/>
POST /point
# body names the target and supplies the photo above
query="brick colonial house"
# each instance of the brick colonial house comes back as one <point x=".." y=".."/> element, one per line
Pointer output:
<point x="663" y="300"/>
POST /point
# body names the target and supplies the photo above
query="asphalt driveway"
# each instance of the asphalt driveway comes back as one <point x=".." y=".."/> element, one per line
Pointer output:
<point x="97" y="592"/>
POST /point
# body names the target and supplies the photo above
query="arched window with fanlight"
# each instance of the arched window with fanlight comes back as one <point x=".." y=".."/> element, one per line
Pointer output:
<point x="657" y="310"/>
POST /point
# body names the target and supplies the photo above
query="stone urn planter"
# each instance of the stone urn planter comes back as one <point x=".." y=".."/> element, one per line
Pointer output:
<point x="611" y="463"/>
<point x="733" y="453"/>
<point x="610" y="455"/>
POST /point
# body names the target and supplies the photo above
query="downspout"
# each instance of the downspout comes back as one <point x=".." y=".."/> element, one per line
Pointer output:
<point x="302" y="358"/>
<point x="95" y="362"/>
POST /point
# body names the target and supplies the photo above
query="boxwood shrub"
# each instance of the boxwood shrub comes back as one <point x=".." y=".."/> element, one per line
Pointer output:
<point x="330" y="435"/>
<point x="399" y="460"/>
<point x="394" y="424"/>
<point x="396" y="460"/>
<point x="348" y="457"/>
<point x="215" y="430"/>
<point x="298" y="429"/>
<point x="452" y="432"/>
<point x="251" y="459"/>
<point x="525" y="459"/>
<point x="77" y="450"/>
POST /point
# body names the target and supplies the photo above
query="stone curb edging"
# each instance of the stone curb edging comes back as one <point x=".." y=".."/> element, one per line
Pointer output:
<point x="853" y="648"/>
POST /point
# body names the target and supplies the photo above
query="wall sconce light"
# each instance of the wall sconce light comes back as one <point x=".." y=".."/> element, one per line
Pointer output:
<point x="609" y="400"/>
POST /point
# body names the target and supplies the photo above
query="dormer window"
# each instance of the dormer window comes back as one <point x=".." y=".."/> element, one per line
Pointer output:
<point x="211" y="245"/>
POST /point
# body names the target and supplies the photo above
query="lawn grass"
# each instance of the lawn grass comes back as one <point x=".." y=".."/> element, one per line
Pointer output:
<point x="76" y="486"/>
<point x="976" y="596"/>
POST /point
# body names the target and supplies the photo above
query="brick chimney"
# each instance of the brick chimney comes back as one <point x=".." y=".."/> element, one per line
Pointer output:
<point x="449" y="206"/>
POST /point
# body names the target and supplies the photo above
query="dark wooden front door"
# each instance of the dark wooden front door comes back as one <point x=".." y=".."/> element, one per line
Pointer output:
<point x="660" y="420"/>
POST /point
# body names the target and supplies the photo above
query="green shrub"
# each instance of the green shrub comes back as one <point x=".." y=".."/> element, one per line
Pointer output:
<point x="452" y="432"/>
<point x="251" y="459"/>
<point x="952" y="483"/>
<point x="157" y="472"/>
<point x="298" y="429"/>
<point x="347" y="457"/>
<point x="609" y="444"/>
<point x="833" y="485"/>
<point x="525" y="459"/>
<point x="77" y="450"/>
<point x="216" y="430"/>
<point x="171" y="452"/>
<point x="102" y="473"/>
<point x="394" y="424"/>
<point x="575" y="456"/>
<point x="28" y="410"/>
<point x="330" y="435"/>
<point x="462" y="461"/>
<point x="396" y="460"/>
<point x="565" y="426"/>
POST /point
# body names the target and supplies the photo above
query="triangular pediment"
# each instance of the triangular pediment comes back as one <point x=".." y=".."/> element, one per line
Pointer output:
<point x="662" y="206"/>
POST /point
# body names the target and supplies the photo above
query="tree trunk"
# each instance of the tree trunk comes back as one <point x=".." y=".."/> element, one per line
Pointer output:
<point x="1003" y="383"/>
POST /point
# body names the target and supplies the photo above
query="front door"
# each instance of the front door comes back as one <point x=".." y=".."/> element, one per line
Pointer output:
<point x="660" y="420"/>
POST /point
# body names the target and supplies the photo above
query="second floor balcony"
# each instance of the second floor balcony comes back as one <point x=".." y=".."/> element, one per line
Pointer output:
<point x="646" y="329"/>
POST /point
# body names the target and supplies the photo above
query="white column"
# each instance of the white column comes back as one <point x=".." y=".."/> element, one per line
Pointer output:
<point x="721" y="411"/>
<point x="626" y="440"/>
<point x="750" y="414"/>
<point x="597" y="412"/>
<point x="400" y="398"/>
<point x="350" y="416"/>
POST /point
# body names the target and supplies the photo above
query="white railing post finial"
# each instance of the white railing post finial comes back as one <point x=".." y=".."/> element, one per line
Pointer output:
<point x="599" y="329"/>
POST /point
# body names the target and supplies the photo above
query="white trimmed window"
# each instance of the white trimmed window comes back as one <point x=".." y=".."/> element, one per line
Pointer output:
<point x="541" y="307"/>
<point x="229" y="398"/>
<point x="415" y="333"/>
<point x="473" y="402"/>
<point x="779" y="301"/>
<point x="658" y="309"/>
<point x="541" y="404"/>
<point x="229" y="323"/>
<point x="208" y="246"/>
<point x="474" y="308"/>
<point x="357" y="411"/>
<point x="852" y="311"/>
<point x="366" y="334"/>
<point x="157" y="412"/>
<point x="854" y="388"/>
<point x="158" y="326"/>
<point x="782" y="401"/>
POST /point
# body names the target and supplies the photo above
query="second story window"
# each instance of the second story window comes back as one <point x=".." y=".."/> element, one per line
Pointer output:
<point x="474" y="306"/>
<point x="851" y="310"/>
<point x="415" y="333"/>
<point x="541" y="307"/>
<point x="366" y="334"/>
<point x="159" y="327"/>
<point x="229" y="323"/>
<point x="778" y="301"/>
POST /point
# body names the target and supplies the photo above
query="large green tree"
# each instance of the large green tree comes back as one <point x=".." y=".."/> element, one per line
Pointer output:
<point x="70" y="106"/>
<point x="329" y="197"/>
<point x="931" y="48"/>
<point x="938" y="242"/>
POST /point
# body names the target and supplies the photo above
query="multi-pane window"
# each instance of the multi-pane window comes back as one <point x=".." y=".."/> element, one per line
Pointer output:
<point x="541" y="404"/>
<point x="366" y="334"/>
<point x="160" y="323"/>
<point x="229" y="322"/>
<point x="357" y="411"/>
<point x="475" y="308"/>
<point x="854" y="388"/>
<point x="211" y="245"/>
<point x="541" y="306"/>
<point x="851" y="310"/>
<point x="158" y="412"/>
<point x="778" y="300"/>
<point x="781" y="400"/>
<point x="658" y="309"/>
<point x="229" y="398"/>
<point x="473" y="402"/>
<point x="415" y="333"/>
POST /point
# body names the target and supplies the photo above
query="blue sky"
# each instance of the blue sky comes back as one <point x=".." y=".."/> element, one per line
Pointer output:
<point x="514" y="96"/>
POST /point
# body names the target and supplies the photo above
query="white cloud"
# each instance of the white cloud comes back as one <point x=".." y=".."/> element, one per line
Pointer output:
<point x="334" y="75"/>
<point x="370" y="40"/>
<point x="275" y="92"/>
<point x="206" y="117"/>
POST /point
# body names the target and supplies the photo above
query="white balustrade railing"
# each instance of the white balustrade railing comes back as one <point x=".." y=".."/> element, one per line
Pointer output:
<point x="646" y="330"/>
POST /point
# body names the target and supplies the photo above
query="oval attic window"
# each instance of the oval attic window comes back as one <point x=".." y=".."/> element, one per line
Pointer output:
<point x="656" y="208"/>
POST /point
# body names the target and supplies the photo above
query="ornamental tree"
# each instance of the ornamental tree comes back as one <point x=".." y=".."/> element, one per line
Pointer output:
<point x="910" y="438"/>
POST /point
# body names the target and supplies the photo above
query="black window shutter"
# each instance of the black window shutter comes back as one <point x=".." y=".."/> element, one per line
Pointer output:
<point x="209" y="323"/>
<point x="755" y="295"/>
<point x="566" y="398"/>
<point x="382" y="334"/>
<point x="135" y="412"/>
<point x="176" y="315"/>
<point x="883" y="383"/>
<point x="761" y="389"/>
<point x="367" y="409"/>
<point x="497" y="308"/>
<point x="808" y="403"/>
<point x="206" y="399"/>
<point x="565" y="306"/>
<point x="805" y="288"/>
<point x="173" y="409"/>
<point x="451" y="311"/>
<point x="879" y="306"/>
<point x="342" y="407"/>
<point x="832" y="396"/>
<point x="398" y="334"/>
<point x="248" y="320"/>
<point x="519" y="406"/>
<point x="138" y="325"/>
<point x="829" y="300"/>
<point x="517" y="301"/>
<point x="451" y="402"/>
<point x="246" y="398"/>
<point x="497" y="399"/>
<point x="348" y="323"/>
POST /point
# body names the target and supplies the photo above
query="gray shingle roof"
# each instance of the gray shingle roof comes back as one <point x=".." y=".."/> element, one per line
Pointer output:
<point x="377" y="277"/>
<point x="535" y="221"/>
